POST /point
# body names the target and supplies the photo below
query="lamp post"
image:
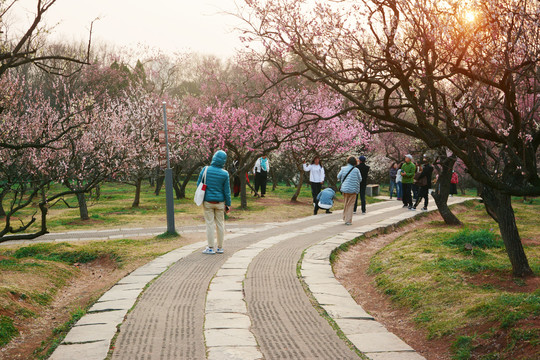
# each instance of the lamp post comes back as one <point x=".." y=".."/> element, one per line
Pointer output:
<point x="168" y="179"/>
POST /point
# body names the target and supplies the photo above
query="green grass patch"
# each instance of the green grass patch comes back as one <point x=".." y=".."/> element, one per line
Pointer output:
<point x="449" y="290"/>
<point x="7" y="330"/>
<point x="62" y="252"/>
<point x="484" y="239"/>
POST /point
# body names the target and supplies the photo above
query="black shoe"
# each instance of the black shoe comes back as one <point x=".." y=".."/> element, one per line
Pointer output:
<point x="328" y="212"/>
<point x="405" y="206"/>
<point x="262" y="195"/>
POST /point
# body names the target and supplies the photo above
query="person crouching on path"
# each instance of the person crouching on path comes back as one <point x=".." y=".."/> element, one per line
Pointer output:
<point x="350" y="179"/>
<point x="325" y="200"/>
<point x="217" y="201"/>
<point x="316" y="177"/>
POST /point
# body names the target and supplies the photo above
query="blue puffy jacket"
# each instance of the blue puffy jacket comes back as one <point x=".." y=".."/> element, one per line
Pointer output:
<point x="351" y="185"/>
<point x="217" y="180"/>
<point x="326" y="197"/>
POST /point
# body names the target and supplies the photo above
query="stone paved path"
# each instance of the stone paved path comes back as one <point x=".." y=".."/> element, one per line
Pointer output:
<point x="245" y="304"/>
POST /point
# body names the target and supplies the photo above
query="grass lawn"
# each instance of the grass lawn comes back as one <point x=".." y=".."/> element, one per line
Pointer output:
<point x="467" y="296"/>
<point x="113" y="208"/>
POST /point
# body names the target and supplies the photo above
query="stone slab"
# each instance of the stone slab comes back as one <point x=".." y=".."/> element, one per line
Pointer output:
<point x="231" y="272"/>
<point x="344" y="301"/>
<point x="226" y="306"/>
<point x="225" y="286"/>
<point x="234" y="353"/>
<point x="86" y="333"/>
<point x="226" y="321"/>
<point x="107" y="317"/>
<point x="343" y="312"/>
<point x="224" y="295"/>
<point x="229" y="337"/>
<point x="354" y="326"/>
<point x="125" y="304"/>
<point x="404" y="355"/>
<point x="120" y="294"/>
<point x="379" y="342"/>
<point x="89" y="351"/>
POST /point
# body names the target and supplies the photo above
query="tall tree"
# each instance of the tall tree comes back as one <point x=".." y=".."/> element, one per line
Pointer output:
<point x="458" y="75"/>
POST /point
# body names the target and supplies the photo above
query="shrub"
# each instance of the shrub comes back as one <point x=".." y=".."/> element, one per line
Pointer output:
<point x="7" y="330"/>
<point x="484" y="239"/>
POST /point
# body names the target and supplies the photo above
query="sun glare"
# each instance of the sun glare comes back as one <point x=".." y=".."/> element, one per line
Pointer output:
<point x="469" y="16"/>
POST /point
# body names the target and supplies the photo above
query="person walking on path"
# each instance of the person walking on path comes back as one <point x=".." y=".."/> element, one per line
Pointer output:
<point x="399" y="184"/>
<point x="392" y="176"/>
<point x="325" y="200"/>
<point x="316" y="177"/>
<point x="350" y="179"/>
<point x="261" y="169"/>
<point x="453" y="183"/>
<point x="407" y="173"/>
<point x="424" y="184"/>
<point x="364" y="170"/>
<point x="217" y="201"/>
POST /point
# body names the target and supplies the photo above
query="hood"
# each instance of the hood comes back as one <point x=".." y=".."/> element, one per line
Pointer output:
<point x="219" y="159"/>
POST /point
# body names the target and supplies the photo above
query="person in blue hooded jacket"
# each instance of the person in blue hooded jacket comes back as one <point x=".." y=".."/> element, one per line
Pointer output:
<point x="217" y="201"/>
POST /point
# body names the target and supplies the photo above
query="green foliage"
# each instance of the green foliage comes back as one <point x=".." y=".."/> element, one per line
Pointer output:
<point x="7" y="330"/>
<point x="43" y="298"/>
<point x="508" y="309"/>
<point x="483" y="239"/>
<point x="462" y="348"/>
<point x="14" y="265"/>
<point x="61" y="252"/>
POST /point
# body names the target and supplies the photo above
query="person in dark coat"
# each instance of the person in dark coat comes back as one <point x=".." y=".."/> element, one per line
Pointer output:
<point x="364" y="170"/>
<point x="424" y="184"/>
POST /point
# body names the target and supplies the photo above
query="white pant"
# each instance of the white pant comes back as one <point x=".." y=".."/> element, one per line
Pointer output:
<point x="214" y="216"/>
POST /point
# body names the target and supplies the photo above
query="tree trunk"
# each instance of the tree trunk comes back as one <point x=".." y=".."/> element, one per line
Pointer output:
<point x="499" y="207"/>
<point x="182" y="192"/>
<point x="159" y="184"/>
<point x="243" y="192"/>
<point x="137" y="200"/>
<point x="298" y="187"/>
<point x="83" y="208"/>
<point x="274" y="181"/>
<point x="442" y="190"/>
<point x="2" y="195"/>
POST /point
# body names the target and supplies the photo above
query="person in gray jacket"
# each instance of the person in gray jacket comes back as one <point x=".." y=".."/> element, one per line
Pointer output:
<point x="217" y="200"/>
<point x="350" y="179"/>
<point x="325" y="200"/>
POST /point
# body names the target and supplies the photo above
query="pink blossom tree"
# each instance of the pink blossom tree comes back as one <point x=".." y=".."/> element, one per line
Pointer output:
<point x="465" y="84"/>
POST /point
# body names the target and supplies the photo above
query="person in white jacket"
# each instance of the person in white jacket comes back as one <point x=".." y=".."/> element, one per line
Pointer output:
<point x="316" y="177"/>
<point x="261" y="169"/>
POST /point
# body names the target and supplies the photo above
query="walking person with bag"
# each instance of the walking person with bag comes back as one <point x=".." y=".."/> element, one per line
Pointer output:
<point x="350" y="179"/>
<point x="217" y="201"/>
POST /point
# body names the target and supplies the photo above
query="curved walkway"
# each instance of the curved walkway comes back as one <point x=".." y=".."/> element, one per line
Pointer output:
<point x="247" y="303"/>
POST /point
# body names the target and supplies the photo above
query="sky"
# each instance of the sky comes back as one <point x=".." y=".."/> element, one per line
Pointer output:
<point x="170" y="25"/>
